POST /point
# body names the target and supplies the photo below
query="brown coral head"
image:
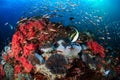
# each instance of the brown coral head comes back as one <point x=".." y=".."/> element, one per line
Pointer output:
<point x="56" y="63"/>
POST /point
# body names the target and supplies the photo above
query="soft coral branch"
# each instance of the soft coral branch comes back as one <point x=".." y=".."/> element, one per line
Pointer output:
<point x="96" y="48"/>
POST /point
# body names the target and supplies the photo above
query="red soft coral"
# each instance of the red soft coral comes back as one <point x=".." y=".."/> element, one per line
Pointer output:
<point x="23" y="43"/>
<point x="2" y="73"/>
<point x="28" y="49"/>
<point x="17" y="69"/>
<point x="5" y="57"/>
<point x="25" y="63"/>
<point x="23" y="29"/>
<point x="16" y="43"/>
<point x="96" y="48"/>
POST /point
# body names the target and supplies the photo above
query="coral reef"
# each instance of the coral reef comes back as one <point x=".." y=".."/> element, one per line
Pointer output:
<point x="43" y="50"/>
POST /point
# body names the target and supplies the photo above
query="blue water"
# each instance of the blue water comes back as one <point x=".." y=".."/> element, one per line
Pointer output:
<point x="100" y="16"/>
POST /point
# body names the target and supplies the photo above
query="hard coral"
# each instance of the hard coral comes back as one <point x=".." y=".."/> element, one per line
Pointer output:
<point x="56" y="63"/>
